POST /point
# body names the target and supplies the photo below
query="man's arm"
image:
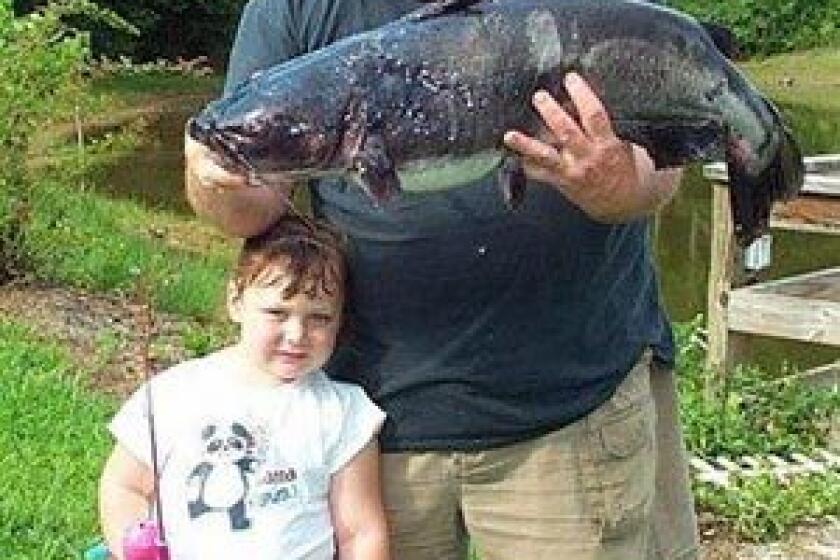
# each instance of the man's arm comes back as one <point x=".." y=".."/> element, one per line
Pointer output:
<point x="611" y="180"/>
<point x="266" y="35"/>
<point x="358" y="515"/>
<point x="228" y="200"/>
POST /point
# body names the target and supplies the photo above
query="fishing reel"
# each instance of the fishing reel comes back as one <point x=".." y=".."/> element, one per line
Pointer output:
<point x="142" y="541"/>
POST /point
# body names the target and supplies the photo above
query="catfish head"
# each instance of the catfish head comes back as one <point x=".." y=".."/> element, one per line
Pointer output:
<point x="293" y="128"/>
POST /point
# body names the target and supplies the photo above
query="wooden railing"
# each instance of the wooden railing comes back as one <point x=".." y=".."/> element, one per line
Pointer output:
<point x="805" y="307"/>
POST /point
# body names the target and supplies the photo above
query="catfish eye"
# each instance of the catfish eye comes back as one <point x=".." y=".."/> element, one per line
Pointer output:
<point x="214" y="445"/>
<point x="234" y="443"/>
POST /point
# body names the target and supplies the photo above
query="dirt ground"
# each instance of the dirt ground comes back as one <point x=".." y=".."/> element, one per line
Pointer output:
<point x="81" y="322"/>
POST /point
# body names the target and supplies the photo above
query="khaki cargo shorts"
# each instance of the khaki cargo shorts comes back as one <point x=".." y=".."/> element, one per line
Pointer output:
<point x="583" y="492"/>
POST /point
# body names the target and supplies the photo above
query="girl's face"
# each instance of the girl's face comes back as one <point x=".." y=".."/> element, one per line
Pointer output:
<point x="282" y="340"/>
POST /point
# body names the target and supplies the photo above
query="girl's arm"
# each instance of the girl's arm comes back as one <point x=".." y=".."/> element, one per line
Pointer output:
<point x="125" y="491"/>
<point x="358" y="515"/>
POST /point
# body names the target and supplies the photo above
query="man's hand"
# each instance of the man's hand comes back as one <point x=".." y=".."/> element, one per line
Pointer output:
<point x="228" y="199"/>
<point x="203" y="171"/>
<point x="609" y="179"/>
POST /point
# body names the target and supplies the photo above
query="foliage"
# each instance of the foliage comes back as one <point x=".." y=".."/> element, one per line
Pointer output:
<point x="39" y="71"/>
<point x="41" y="62"/>
<point x="167" y="28"/>
<point x="772" y="26"/>
<point x="754" y="414"/>
<point x="762" y="509"/>
<point x="124" y="65"/>
<point x="53" y="444"/>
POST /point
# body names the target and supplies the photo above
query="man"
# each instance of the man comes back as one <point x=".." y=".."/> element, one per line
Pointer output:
<point x="512" y="351"/>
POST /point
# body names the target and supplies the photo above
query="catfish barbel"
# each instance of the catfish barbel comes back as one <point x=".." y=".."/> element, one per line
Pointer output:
<point x="422" y="103"/>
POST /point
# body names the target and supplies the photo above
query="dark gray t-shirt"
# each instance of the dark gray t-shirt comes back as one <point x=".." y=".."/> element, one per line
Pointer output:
<point x="473" y="326"/>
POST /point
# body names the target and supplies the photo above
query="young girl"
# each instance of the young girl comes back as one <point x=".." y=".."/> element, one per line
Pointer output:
<point x="261" y="455"/>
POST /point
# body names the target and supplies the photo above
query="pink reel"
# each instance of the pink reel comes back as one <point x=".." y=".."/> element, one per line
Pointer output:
<point x="142" y="542"/>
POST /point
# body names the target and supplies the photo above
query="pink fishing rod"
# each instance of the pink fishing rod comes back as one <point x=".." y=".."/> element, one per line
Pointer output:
<point x="146" y="539"/>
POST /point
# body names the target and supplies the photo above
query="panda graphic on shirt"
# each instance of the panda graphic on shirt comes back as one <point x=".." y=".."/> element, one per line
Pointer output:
<point x="234" y="475"/>
<point x="222" y="479"/>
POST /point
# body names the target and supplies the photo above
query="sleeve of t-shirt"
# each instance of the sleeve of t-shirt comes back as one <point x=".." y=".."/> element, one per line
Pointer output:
<point x="360" y="421"/>
<point x="266" y="35"/>
<point x="130" y="426"/>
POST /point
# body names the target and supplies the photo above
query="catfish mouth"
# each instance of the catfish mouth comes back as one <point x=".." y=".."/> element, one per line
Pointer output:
<point x="293" y="152"/>
<point x="228" y="155"/>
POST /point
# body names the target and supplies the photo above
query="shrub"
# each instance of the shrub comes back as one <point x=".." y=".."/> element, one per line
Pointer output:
<point x="40" y="63"/>
<point x="766" y="27"/>
<point x="41" y="71"/>
<point x="168" y="28"/>
<point x="754" y="414"/>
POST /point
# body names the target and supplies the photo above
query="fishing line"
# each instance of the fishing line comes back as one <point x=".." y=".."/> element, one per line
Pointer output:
<point x="146" y="325"/>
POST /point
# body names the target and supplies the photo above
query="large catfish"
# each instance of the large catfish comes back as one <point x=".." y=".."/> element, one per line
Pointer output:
<point x="422" y="103"/>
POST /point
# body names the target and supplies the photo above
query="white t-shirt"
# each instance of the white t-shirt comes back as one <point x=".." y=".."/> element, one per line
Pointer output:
<point x="245" y="470"/>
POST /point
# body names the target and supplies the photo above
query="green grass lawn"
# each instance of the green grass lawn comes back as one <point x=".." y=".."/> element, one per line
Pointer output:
<point x="53" y="441"/>
<point x="807" y="87"/>
<point x="85" y="240"/>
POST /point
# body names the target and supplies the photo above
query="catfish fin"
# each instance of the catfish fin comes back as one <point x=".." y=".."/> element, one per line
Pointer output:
<point x="437" y="8"/>
<point x="374" y="169"/>
<point x="673" y="144"/>
<point x="752" y="194"/>
<point x="723" y="38"/>
<point x="789" y="158"/>
<point x="512" y="180"/>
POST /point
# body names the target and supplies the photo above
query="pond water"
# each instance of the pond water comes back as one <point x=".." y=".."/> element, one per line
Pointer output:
<point x="681" y="233"/>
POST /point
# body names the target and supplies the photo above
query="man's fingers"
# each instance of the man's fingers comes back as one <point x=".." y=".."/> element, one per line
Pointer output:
<point x="531" y="148"/>
<point x="594" y="118"/>
<point x="541" y="174"/>
<point x="543" y="162"/>
<point x="566" y="131"/>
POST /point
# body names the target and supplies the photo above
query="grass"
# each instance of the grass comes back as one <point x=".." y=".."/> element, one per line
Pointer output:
<point x="53" y="443"/>
<point x="806" y="85"/>
<point x="810" y="77"/>
<point x="84" y="240"/>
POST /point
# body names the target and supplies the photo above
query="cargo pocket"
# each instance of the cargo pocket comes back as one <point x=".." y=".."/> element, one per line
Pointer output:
<point x="623" y="441"/>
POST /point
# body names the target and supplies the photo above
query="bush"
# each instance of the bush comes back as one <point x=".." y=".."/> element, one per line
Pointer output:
<point x="42" y="62"/>
<point x="754" y="414"/>
<point x="168" y="29"/>
<point x="40" y="66"/>
<point x="766" y="27"/>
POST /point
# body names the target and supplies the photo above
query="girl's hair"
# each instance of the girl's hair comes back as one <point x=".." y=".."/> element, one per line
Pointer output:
<point x="310" y="251"/>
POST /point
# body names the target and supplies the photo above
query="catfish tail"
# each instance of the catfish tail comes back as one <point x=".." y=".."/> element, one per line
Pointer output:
<point x="754" y="192"/>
